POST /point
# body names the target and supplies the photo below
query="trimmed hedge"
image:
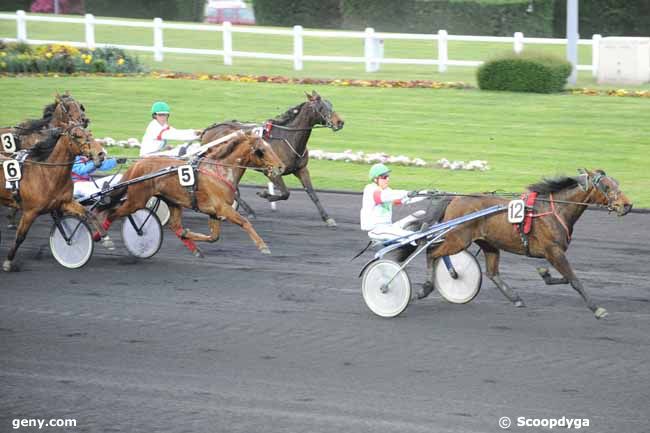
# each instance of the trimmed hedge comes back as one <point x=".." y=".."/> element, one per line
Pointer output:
<point x="460" y="17"/>
<point x="607" y="18"/>
<point x="307" y="13"/>
<point x="537" y="73"/>
<point x="180" y="10"/>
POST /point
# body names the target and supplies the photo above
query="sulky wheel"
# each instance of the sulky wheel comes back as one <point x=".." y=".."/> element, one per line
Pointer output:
<point x="142" y="233"/>
<point x="466" y="286"/>
<point x="384" y="295"/>
<point x="71" y="241"/>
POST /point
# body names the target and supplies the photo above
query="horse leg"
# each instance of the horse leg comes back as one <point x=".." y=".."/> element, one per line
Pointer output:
<point x="454" y="243"/>
<point x="101" y="230"/>
<point x="234" y="217"/>
<point x="11" y="218"/>
<point x="24" y="224"/>
<point x="176" y="225"/>
<point x="245" y="206"/>
<point x="492" y="256"/>
<point x="546" y="276"/>
<point x="284" y="191"/>
<point x="557" y="258"/>
<point x="305" y="179"/>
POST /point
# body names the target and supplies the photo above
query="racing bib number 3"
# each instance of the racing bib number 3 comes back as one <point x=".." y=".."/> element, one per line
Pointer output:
<point x="186" y="175"/>
<point x="11" y="170"/>
<point x="516" y="211"/>
<point x="8" y="142"/>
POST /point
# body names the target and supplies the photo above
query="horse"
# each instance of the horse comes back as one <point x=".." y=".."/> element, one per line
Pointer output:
<point x="561" y="201"/>
<point x="216" y="177"/>
<point x="64" y="111"/>
<point x="288" y="135"/>
<point x="46" y="184"/>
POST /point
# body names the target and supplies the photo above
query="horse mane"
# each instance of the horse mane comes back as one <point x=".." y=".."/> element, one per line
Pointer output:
<point x="554" y="184"/>
<point x="288" y="116"/>
<point x="32" y="125"/>
<point x="226" y="148"/>
<point x="43" y="149"/>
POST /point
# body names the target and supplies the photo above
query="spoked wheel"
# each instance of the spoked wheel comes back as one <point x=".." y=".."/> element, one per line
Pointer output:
<point x="142" y="233"/>
<point x="384" y="295"/>
<point x="466" y="286"/>
<point x="71" y="241"/>
<point x="160" y="207"/>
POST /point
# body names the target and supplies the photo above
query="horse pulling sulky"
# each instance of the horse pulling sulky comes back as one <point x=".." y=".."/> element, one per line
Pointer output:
<point x="494" y="224"/>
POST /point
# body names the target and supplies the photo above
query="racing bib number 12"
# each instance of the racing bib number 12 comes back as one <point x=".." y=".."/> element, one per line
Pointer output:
<point x="516" y="211"/>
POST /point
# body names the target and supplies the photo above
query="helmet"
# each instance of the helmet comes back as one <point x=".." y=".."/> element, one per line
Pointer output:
<point x="377" y="170"/>
<point x="159" y="107"/>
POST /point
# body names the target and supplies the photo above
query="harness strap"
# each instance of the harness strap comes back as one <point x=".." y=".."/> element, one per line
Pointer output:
<point x="525" y="227"/>
<point x="216" y="175"/>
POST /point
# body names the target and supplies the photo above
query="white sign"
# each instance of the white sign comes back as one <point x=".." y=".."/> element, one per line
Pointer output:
<point x="186" y="175"/>
<point x="11" y="169"/>
<point x="516" y="211"/>
<point x="258" y="131"/>
<point x="8" y="142"/>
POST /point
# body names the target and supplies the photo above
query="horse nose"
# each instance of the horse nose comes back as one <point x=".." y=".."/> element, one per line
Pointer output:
<point x="627" y="208"/>
<point x="340" y="124"/>
<point x="101" y="155"/>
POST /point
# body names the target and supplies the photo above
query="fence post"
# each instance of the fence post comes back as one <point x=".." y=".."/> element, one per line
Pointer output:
<point x="519" y="42"/>
<point x="227" y="43"/>
<point x="297" y="48"/>
<point x="443" y="55"/>
<point x="595" y="54"/>
<point x="90" y="31"/>
<point x="272" y="192"/>
<point x="368" y="52"/>
<point x="157" y="39"/>
<point x="21" y="26"/>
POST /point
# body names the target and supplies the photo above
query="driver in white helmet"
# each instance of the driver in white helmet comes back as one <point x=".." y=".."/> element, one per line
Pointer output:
<point x="154" y="141"/>
<point x="377" y="207"/>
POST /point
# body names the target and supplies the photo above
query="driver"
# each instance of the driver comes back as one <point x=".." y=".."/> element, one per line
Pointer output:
<point x="159" y="131"/>
<point x="377" y="206"/>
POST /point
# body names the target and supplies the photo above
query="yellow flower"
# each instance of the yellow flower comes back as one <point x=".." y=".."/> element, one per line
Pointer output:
<point x="87" y="61"/>
<point x="48" y="54"/>
<point x="120" y="61"/>
<point x="2" y="54"/>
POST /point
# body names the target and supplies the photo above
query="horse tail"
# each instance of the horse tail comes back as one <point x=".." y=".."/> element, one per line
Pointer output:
<point x="438" y="208"/>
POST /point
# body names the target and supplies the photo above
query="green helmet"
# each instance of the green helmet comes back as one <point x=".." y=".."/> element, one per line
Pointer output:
<point x="377" y="170"/>
<point x="159" y="107"/>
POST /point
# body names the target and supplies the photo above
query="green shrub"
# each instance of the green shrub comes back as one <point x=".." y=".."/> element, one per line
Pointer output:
<point x="530" y="72"/>
<point x="22" y="58"/>
<point x="307" y="13"/>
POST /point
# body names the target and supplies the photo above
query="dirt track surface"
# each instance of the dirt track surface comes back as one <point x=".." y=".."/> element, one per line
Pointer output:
<point x="241" y="342"/>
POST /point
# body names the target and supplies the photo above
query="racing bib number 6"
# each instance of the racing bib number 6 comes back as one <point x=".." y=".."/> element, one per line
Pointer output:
<point x="8" y="142"/>
<point x="516" y="211"/>
<point x="11" y="170"/>
<point x="186" y="175"/>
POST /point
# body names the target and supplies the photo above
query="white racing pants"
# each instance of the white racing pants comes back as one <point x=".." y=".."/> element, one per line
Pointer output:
<point x="384" y="232"/>
<point x="84" y="189"/>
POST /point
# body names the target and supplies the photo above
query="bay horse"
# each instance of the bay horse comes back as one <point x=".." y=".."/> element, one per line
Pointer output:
<point x="216" y="177"/>
<point x="288" y="135"/>
<point x="64" y="111"/>
<point x="561" y="202"/>
<point x="46" y="184"/>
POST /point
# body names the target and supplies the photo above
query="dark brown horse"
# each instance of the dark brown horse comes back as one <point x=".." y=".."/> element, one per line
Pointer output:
<point x="288" y="135"/>
<point x="560" y="203"/>
<point x="63" y="112"/>
<point x="216" y="177"/>
<point x="46" y="184"/>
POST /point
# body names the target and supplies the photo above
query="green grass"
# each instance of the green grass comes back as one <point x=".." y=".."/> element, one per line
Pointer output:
<point x="522" y="136"/>
<point x="283" y="45"/>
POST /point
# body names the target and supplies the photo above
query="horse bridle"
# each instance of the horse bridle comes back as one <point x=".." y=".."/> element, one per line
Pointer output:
<point x="596" y="180"/>
<point x="328" y="109"/>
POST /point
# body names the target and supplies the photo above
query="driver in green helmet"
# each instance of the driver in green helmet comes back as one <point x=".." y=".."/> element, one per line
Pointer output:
<point x="377" y="206"/>
<point x="159" y="131"/>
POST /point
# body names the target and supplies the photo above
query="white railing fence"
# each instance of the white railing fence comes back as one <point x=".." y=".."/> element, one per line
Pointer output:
<point x="373" y="42"/>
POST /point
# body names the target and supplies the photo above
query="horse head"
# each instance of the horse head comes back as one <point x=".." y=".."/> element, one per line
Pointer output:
<point x="324" y="111"/>
<point x="262" y="155"/>
<point x="607" y="191"/>
<point x="68" y="111"/>
<point x="81" y="142"/>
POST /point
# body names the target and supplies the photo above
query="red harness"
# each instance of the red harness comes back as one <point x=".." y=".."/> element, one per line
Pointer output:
<point x="218" y="176"/>
<point x="268" y="126"/>
<point x="526" y="226"/>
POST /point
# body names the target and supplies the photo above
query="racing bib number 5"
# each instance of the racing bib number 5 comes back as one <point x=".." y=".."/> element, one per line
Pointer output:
<point x="186" y="175"/>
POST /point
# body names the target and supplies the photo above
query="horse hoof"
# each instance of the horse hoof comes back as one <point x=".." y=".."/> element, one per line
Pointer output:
<point x="519" y="304"/>
<point x="330" y="222"/>
<point x="197" y="253"/>
<point x="11" y="226"/>
<point x="542" y="271"/>
<point x="600" y="313"/>
<point x="6" y="266"/>
<point x="265" y="250"/>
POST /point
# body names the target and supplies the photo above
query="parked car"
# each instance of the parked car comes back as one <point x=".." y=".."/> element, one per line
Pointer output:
<point x="236" y="12"/>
